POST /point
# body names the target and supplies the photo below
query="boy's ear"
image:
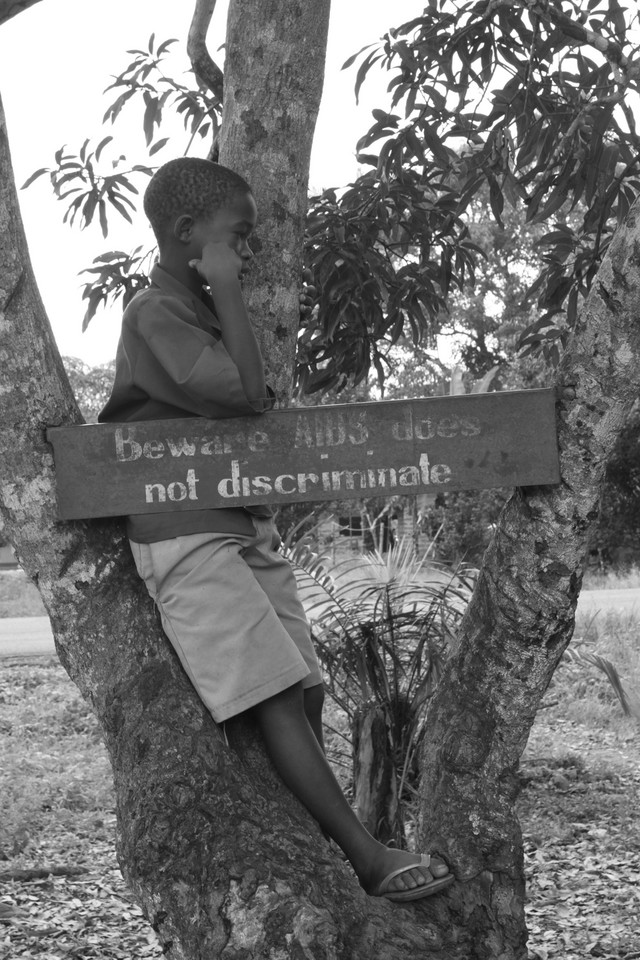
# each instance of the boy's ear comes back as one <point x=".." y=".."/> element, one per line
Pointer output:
<point x="183" y="227"/>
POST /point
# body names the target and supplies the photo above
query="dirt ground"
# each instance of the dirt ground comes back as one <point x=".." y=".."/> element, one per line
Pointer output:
<point x="579" y="810"/>
<point x="579" y="813"/>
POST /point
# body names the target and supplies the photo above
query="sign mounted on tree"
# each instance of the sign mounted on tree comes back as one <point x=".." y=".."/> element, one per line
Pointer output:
<point x="339" y="452"/>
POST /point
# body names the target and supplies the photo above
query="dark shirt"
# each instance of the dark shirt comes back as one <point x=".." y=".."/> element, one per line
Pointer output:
<point x="171" y="362"/>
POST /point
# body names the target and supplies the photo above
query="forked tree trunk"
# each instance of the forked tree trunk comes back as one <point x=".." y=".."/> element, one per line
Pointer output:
<point x="222" y="860"/>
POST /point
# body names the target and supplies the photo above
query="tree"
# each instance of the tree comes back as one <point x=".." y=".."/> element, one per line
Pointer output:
<point x="484" y="323"/>
<point x="617" y="535"/>
<point x="221" y="859"/>
<point x="531" y="103"/>
<point x="91" y="386"/>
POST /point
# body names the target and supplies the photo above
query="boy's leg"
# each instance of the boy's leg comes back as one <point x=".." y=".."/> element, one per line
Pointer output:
<point x="313" y="703"/>
<point x="298" y="758"/>
<point x="276" y="578"/>
<point x="219" y="620"/>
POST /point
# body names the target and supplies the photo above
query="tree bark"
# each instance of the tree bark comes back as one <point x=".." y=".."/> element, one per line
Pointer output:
<point x="274" y="70"/>
<point x="375" y="789"/>
<point x="203" y="65"/>
<point x="521" y="619"/>
<point x="10" y="8"/>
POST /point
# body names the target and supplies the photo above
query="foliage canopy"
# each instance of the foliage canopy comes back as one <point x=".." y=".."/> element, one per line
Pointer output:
<point x="532" y="101"/>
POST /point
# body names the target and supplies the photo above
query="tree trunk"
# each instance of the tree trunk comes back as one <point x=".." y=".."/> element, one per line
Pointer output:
<point x="521" y="619"/>
<point x="274" y="70"/>
<point x="222" y="860"/>
<point x="11" y="8"/>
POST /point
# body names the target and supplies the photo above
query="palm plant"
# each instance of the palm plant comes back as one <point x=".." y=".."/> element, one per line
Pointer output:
<point x="383" y="626"/>
<point x="579" y="656"/>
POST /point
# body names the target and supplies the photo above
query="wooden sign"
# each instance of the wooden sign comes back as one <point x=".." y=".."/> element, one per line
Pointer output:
<point x="338" y="452"/>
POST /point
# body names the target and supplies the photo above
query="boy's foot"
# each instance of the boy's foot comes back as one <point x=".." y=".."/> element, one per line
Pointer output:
<point x="400" y="876"/>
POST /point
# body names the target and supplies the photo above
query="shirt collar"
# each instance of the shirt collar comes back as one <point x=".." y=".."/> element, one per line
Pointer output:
<point x="204" y="308"/>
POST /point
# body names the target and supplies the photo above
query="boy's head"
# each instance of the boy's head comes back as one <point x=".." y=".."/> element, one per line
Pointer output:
<point x="189" y="186"/>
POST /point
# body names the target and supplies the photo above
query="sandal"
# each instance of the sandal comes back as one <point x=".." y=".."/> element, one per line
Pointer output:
<point x="416" y="893"/>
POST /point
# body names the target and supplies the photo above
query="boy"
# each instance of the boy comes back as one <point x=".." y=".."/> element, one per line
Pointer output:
<point x="227" y="598"/>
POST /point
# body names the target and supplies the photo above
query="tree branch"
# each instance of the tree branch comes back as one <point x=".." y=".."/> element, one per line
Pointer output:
<point x="11" y="8"/>
<point x="204" y="67"/>
<point x="575" y="31"/>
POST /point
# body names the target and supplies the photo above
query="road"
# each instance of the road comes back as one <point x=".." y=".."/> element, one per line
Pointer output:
<point x="31" y="636"/>
<point x="25" y="637"/>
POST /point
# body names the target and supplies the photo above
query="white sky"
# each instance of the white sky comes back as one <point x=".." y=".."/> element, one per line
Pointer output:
<point x="57" y="57"/>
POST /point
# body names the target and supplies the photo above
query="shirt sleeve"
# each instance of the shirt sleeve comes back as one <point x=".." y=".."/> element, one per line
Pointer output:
<point x="193" y="360"/>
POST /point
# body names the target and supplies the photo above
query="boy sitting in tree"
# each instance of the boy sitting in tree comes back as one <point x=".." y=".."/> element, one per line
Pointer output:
<point x="228" y="600"/>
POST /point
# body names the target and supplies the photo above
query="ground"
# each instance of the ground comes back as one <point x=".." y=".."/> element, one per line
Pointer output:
<point x="578" y="807"/>
<point x="578" y="810"/>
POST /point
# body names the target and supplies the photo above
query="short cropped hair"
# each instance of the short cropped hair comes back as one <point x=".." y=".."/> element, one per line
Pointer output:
<point x="189" y="185"/>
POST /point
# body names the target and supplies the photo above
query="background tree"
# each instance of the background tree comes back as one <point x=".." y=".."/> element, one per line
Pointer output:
<point x="481" y="332"/>
<point x="91" y="385"/>
<point x="616" y="539"/>
<point x="219" y="878"/>
<point x="530" y="104"/>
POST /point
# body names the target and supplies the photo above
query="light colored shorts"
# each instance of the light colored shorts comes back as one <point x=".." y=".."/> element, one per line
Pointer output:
<point x="229" y="605"/>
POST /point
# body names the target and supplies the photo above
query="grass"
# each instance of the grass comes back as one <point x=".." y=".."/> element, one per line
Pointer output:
<point x="616" y="637"/>
<point x="612" y="579"/>
<point x="53" y="763"/>
<point x="18" y="596"/>
<point x="57" y="811"/>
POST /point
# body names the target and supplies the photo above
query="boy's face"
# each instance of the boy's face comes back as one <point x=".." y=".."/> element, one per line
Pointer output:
<point x="231" y="225"/>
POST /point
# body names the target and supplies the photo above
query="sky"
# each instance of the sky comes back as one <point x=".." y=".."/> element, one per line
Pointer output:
<point x="57" y="57"/>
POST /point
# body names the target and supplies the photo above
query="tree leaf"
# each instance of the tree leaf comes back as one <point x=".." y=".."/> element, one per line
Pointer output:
<point x="496" y="199"/>
<point x="102" y="145"/>
<point x="352" y="59"/>
<point x="33" y="177"/>
<point x="150" y="116"/>
<point x="102" y="209"/>
<point x="434" y="143"/>
<point x="158" y="145"/>
<point x="164" y="46"/>
<point x="362" y="71"/>
<point x="122" y="210"/>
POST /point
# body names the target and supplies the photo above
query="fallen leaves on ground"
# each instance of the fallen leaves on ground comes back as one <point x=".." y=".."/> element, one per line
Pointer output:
<point x="579" y="811"/>
<point x="86" y="917"/>
<point x="582" y="842"/>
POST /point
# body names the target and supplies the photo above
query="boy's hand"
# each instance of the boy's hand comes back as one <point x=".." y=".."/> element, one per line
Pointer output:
<point x="219" y="264"/>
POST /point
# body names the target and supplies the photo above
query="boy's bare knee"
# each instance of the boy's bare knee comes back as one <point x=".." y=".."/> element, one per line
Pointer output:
<point x="288" y="701"/>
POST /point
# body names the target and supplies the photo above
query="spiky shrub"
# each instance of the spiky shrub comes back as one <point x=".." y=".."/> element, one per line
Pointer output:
<point x="383" y="626"/>
<point x="581" y="655"/>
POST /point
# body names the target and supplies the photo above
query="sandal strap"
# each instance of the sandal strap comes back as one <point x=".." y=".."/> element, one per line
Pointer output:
<point x="424" y="861"/>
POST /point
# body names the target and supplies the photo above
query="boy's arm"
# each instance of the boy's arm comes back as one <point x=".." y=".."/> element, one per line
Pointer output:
<point x="221" y="267"/>
<point x="240" y="340"/>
